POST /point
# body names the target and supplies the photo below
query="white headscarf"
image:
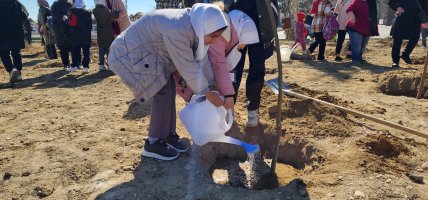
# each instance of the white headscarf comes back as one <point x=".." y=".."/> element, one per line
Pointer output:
<point x="247" y="34"/>
<point x="205" y="19"/>
<point x="100" y="2"/>
<point x="79" y="4"/>
<point x="245" y="27"/>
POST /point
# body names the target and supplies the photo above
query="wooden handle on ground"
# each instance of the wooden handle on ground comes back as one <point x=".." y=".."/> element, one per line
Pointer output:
<point x="359" y="114"/>
<point x="424" y="76"/>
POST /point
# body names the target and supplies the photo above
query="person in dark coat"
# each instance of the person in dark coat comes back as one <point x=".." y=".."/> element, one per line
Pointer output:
<point x="27" y="31"/>
<point x="12" y="15"/>
<point x="80" y="23"/>
<point x="406" y="27"/>
<point x="45" y="32"/>
<point x="258" y="53"/>
<point x="105" y="34"/>
<point x="61" y="29"/>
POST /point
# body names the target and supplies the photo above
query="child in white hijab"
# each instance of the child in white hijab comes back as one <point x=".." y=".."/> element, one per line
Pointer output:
<point x="146" y="54"/>
<point x="224" y="54"/>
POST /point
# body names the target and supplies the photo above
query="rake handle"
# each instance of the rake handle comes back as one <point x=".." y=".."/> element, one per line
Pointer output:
<point x="424" y="76"/>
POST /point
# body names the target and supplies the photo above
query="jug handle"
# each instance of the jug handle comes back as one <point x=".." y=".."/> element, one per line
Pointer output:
<point x="230" y="119"/>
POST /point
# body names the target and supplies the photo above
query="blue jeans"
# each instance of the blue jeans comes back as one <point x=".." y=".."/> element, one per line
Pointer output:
<point x="358" y="44"/>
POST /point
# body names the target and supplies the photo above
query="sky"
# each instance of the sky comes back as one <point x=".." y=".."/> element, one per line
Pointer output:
<point x="134" y="6"/>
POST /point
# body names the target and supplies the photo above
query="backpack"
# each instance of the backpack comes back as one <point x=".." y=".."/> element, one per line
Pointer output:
<point x="50" y="22"/>
<point x="48" y="18"/>
<point x="330" y="27"/>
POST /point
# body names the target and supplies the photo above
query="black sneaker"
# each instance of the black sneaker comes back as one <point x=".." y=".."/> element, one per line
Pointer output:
<point x="159" y="150"/>
<point x="395" y="65"/>
<point x="174" y="142"/>
<point x="406" y="59"/>
<point x="321" y="58"/>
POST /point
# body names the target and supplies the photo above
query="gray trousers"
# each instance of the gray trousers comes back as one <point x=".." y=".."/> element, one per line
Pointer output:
<point x="162" y="115"/>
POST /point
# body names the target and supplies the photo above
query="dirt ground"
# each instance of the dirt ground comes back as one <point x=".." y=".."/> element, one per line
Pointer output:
<point x="76" y="136"/>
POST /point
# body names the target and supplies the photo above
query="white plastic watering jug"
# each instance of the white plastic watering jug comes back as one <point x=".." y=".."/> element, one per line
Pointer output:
<point x="286" y="52"/>
<point x="207" y="123"/>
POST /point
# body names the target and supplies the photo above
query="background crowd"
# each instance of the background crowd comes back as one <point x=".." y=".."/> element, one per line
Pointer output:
<point x="358" y="19"/>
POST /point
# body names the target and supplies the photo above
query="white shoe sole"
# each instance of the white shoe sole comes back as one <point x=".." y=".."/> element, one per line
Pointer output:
<point x="180" y="151"/>
<point x="252" y="125"/>
<point x="14" y="76"/>
<point x="157" y="156"/>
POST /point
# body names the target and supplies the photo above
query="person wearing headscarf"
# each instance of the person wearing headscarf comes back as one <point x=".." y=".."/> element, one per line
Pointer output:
<point x="45" y="32"/>
<point x="224" y="55"/>
<point x="12" y="14"/>
<point x="122" y="22"/>
<point x="61" y="30"/>
<point x="147" y="54"/>
<point x="80" y="23"/>
<point x="105" y="35"/>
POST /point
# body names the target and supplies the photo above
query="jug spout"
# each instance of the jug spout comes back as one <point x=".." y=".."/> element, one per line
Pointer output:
<point x="227" y="139"/>
<point x="249" y="148"/>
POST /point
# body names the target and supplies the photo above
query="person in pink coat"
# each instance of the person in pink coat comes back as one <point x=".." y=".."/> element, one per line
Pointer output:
<point x="123" y="22"/>
<point x="300" y="31"/>
<point x="223" y="56"/>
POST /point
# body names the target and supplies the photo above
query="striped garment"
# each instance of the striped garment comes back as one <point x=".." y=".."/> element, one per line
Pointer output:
<point x="319" y="20"/>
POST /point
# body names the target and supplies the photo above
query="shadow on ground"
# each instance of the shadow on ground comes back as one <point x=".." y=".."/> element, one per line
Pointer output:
<point x="155" y="179"/>
<point x="60" y="79"/>
<point x="344" y="70"/>
<point x="137" y="111"/>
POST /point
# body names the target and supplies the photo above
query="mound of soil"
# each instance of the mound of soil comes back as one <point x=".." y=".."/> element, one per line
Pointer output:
<point x="387" y="147"/>
<point x="384" y="42"/>
<point x="385" y="152"/>
<point x="305" y="116"/>
<point x="401" y="83"/>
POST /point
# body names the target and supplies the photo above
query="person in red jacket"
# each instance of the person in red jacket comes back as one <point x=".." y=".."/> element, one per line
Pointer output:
<point x="301" y="31"/>
<point x="360" y="27"/>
